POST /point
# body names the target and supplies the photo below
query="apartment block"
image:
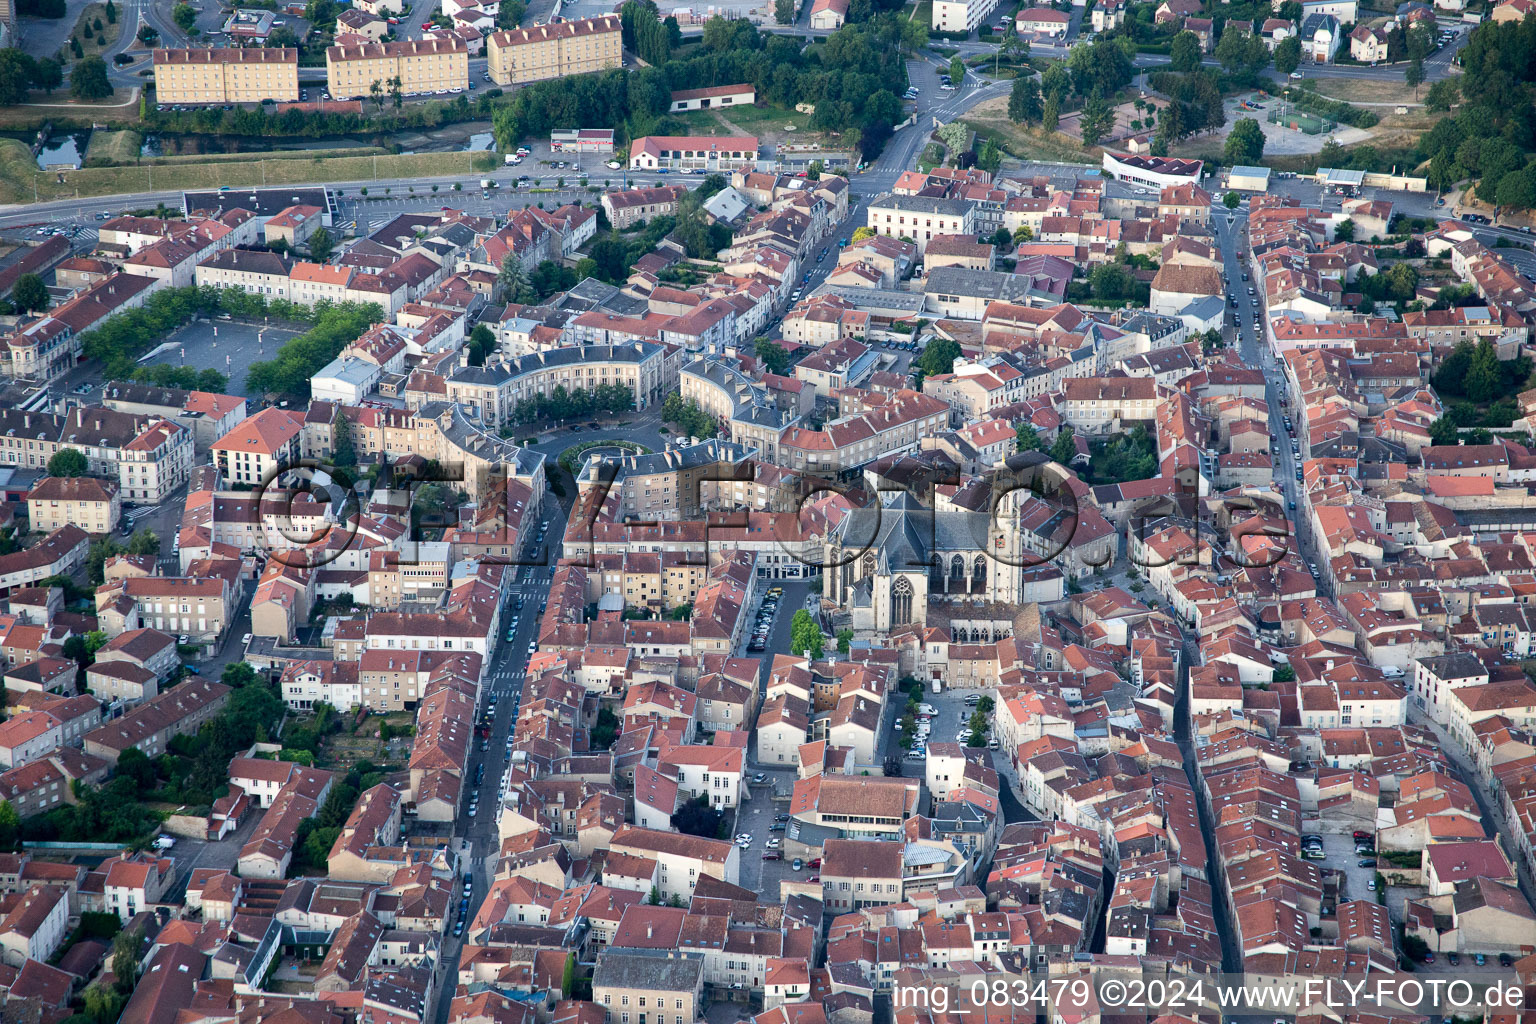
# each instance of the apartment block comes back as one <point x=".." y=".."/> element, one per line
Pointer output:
<point x="227" y="75"/>
<point x="440" y="64"/>
<point x="554" y="51"/>
<point x="89" y="503"/>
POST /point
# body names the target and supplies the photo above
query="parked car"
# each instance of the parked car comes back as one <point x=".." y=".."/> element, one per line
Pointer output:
<point x="773" y="855"/>
<point x="1453" y="958"/>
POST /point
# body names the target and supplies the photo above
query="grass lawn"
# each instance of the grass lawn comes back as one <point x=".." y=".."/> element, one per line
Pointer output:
<point x="63" y="112"/>
<point x="92" y="41"/>
<point x="991" y="118"/>
<point x="753" y="117"/>
<point x="19" y="174"/>
<point x="1366" y="90"/>
<point x="121" y="147"/>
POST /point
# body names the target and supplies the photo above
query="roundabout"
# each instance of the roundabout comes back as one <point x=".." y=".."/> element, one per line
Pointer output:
<point x="574" y="457"/>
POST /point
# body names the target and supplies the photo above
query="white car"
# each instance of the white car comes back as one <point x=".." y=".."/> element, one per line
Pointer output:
<point x="773" y="844"/>
<point x="246" y="640"/>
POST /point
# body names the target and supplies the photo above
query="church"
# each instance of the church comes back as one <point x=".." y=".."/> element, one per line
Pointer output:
<point x="887" y="564"/>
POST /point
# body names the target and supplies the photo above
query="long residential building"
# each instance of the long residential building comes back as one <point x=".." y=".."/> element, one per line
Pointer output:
<point x="554" y="51"/>
<point x="150" y="457"/>
<point x="434" y="65"/>
<point x="227" y="75"/>
<point x="494" y="391"/>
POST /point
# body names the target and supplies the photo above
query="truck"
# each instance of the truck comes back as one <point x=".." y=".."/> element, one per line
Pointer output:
<point x="937" y="686"/>
<point x="487" y="182"/>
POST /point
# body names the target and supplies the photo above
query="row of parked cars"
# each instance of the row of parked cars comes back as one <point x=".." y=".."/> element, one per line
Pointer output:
<point x="765" y="615"/>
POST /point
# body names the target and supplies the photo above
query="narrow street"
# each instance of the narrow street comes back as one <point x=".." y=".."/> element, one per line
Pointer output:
<point x="1183" y="734"/>
<point x="476" y="835"/>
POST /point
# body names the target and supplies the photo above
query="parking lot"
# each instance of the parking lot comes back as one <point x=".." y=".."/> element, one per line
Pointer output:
<point x="947" y="725"/>
<point x="755" y="818"/>
<point x="1355" y="882"/>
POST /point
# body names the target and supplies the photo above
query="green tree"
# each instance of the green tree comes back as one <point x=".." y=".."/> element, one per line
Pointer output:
<point x="1285" y="674"/>
<point x="697" y="818"/>
<point x="1413" y="75"/>
<point x="1055" y="82"/>
<point x="1245" y="143"/>
<point x="17" y="72"/>
<point x="1024" y="105"/>
<point x="805" y="635"/>
<point x="321" y="245"/>
<point x="29" y="294"/>
<point x="784" y="11"/>
<point x="1027" y="439"/>
<point x="103" y="1004"/>
<point x="125" y="959"/>
<point x="914" y="35"/>
<point x="938" y="357"/>
<point x="1184" y="52"/>
<point x="111" y="13"/>
<point x="990" y="158"/>
<point x="1096" y="121"/>
<point x="844" y="640"/>
<point x="184" y="16"/>
<point x="1231" y="200"/>
<point x="1052" y="114"/>
<point x="1064" y="448"/>
<point x="1288" y="54"/>
<point x="239" y="675"/>
<point x="49" y="75"/>
<point x="482" y="342"/>
<point x="978" y="727"/>
<point x="1344" y="231"/>
<point x="513" y="280"/>
<point x="144" y="542"/>
<point x="68" y="462"/>
<point x="135" y="765"/>
<point x="772" y="355"/>
<point x="955" y="135"/>
<point x="1111" y="282"/>
<point x="510" y="14"/>
<point x="956" y="69"/>
<point x="1484" y="376"/>
<point x="1442" y="95"/>
<point x="343" y="448"/>
<point x="88" y="80"/>
<point x="10" y="827"/>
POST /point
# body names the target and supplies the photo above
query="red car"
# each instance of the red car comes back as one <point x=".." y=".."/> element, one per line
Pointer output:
<point x="816" y="863"/>
<point x="426" y="26"/>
